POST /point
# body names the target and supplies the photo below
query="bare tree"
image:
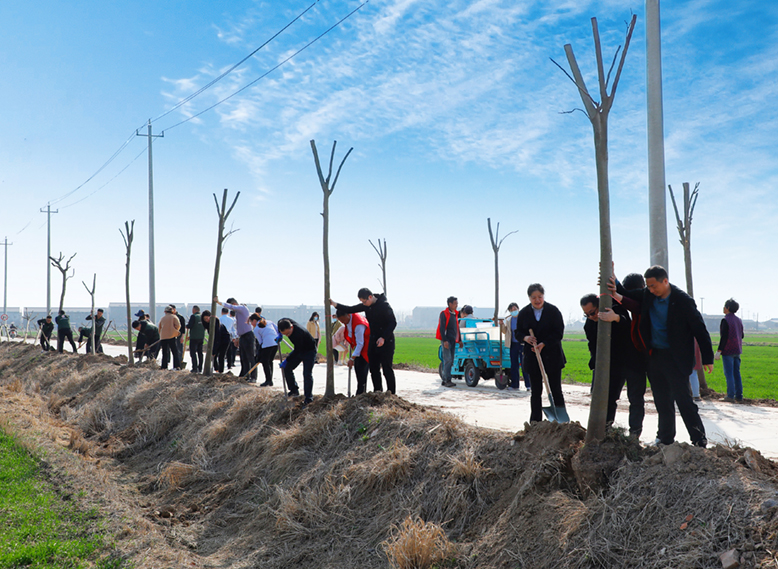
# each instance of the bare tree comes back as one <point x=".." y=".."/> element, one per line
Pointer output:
<point x="597" y="112"/>
<point x="127" y="236"/>
<point x="496" y="244"/>
<point x="92" y="312"/>
<point x="381" y="251"/>
<point x="327" y="189"/>
<point x="27" y="317"/>
<point x="64" y="270"/>
<point x="685" y="233"/>
<point x="223" y="213"/>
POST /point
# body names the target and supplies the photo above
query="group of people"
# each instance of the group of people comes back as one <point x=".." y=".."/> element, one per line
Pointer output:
<point x="65" y="332"/>
<point x="657" y="333"/>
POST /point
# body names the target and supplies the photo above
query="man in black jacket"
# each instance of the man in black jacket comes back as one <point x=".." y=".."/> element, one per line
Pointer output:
<point x="304" y="351"/>
<point x="622" y="353"/>
<point x="98" y="331"/>
<point x="669" y="324"/>
<point x="380" y="351"/>
<point x="47" y="327"/>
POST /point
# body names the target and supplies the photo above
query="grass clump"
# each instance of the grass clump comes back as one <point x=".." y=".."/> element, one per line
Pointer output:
<point x="417" y="544"/>
<point x="38" y="528"/>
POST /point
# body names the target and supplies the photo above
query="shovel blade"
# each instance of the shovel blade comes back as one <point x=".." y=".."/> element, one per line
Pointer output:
<point x="556" y="414"/>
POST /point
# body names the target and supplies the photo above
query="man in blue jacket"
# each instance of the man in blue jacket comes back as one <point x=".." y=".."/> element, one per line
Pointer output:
<point x="669" y="324"/>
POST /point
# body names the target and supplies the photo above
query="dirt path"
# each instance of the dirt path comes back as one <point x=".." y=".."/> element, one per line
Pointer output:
<point x="486" y="406"/>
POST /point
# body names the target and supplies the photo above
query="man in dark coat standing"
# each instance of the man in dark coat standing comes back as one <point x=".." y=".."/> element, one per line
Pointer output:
<point x="304" y="352"/>
<point x="669" y="324"/>
<point x="380" y="351"/>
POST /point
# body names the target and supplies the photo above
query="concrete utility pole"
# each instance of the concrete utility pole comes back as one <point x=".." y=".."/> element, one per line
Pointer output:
<point x="657" y="213"/>
<point x="5" y="277"/>
<point x="152" y="286"/>
<point x="48" y="213"/>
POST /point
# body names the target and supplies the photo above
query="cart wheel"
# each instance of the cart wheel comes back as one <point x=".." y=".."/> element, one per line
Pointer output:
<point x="472" y="375"/>
<point x="501" y="380"/>
<point x="440" y="371"/>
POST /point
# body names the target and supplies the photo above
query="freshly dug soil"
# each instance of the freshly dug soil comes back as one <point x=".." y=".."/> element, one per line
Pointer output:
<point x="212" y="472"/>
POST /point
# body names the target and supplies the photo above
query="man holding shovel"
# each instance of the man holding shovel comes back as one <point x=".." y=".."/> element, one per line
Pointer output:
<point x="541" y="325"/>
<point x="304" y="352"/>
<point x="356" y="331"/>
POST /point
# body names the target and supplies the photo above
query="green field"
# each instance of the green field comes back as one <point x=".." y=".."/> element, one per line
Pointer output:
<point x="759" y="362"/>
<point x="39" y="527"/>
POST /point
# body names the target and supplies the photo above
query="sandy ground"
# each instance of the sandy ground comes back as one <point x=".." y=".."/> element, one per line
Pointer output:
<point x="486" y="406"/>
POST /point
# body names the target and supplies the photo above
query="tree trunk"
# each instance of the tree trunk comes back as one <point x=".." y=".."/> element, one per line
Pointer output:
<point x="223" y="215"/>
<point x="128" y="244"/>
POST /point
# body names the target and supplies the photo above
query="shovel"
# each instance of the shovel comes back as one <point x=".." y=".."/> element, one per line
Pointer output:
<point x="349" y="376"/>
<point x="553" y="413"/>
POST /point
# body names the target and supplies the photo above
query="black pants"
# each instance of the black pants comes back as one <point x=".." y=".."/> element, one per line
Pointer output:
<point x="361" y="368"/>
<point x="292" y="361"/>
<point x="381" y="358"/>
<point x="63" y="335"/>
<point x="169" y="347"/>
<point x="554" y="373"/>
<point x="232" y="349"/>
<point x="246" y="345"/>
<point x="266" y="357"/>
<point x="45" y="342"/>
<point x="219" y="355"/>
<point x="670" y="385"/>
<point x="636" y="393"/>
<point x="196" y="354"/>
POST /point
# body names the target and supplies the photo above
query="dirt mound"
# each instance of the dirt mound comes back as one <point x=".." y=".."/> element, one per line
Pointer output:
<point x="230" y="475"/>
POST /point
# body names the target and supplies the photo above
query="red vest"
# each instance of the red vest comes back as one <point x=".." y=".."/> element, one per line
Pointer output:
<point x="447" y="312"/>
<point x="356" y="320"/>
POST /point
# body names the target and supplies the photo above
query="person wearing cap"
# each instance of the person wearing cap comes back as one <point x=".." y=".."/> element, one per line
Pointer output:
<point x="196" y="338"/>
<point x="245" y="336"/>
<point x="47" y="327"/>
<point x="64" y="332"/>
<point x="169" y="331"/>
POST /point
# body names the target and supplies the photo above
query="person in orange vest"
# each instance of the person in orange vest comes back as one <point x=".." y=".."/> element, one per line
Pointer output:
<point x="356" y="331"/>
<point x="448" y="334"/>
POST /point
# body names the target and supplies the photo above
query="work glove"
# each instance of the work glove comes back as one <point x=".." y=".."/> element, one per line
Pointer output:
<point x="282" y="365"/>
<point x="278" y="338"/>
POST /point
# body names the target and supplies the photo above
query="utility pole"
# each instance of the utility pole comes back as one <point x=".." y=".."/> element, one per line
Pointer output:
<point x="702" y="306"/>
<point x="5" y="277"/>
<point x="48" y="213"/>
<point x="152" y="286"/>
<point x="657" y="213"/>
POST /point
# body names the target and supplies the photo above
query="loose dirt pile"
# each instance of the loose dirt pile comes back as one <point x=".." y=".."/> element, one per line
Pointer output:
<point x="209" y="472"/>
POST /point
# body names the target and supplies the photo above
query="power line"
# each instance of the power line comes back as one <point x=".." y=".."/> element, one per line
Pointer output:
<point x="306" y="46"/>
<point x="223" y="75"/>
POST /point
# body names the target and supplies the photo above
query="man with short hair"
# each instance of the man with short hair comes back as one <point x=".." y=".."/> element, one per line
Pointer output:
<point x="169" y="331"/>
<point x="622" y="352"/>
<point x="304" y="352"/>
<point x="222" y="340"/>
<point x="669" y="324"/>
<point x="448" y="334"/>
<point x="196" y="338"/>
<point x="64" y="332"/>
<point x="47" y="327"/>
<point x="148" y="338"/>
<point x="380" y="351"/>
<point x="356" y="332"/>
<point x="267" y="335"/>
<point x="181" y="338"/>
<point x="97" y="329"/>
<point x="245" y="337"/>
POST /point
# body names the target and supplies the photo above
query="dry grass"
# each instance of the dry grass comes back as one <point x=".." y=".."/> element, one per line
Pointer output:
<point x="417" y="544"/>
<point x="255" y="481"/>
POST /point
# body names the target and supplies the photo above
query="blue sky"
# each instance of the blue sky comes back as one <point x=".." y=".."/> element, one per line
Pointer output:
<point x="454" y="110"/>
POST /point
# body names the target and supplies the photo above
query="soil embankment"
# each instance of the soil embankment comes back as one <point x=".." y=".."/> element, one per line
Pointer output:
<point x="211" y="472"/>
